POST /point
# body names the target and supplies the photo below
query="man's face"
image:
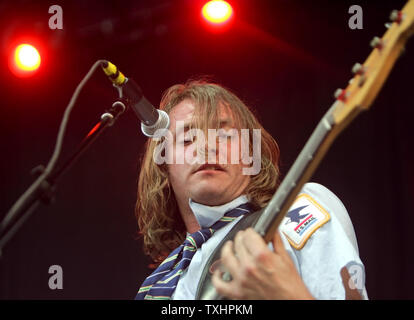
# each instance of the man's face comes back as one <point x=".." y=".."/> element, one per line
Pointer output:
<point x="206" y="184"/>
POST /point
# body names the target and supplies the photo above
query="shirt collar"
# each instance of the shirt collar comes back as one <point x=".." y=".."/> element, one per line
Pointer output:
<point x="207" y="215"/>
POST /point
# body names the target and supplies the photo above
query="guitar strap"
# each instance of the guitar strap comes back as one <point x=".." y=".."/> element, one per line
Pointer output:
<point x="205" y="284"/>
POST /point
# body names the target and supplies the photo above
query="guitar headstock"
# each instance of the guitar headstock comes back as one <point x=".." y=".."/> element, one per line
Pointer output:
<point x="371" y="75"/>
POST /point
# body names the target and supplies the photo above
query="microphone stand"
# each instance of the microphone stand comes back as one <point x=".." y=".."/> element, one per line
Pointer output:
<point x="45" y="192"/>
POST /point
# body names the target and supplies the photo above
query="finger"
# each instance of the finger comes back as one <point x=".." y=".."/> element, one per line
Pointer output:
<point x="240" y="248"/>
<point x="253" y="242"/>
<point x="224" y="288"/>
<point x="278" y="245"/>
<point x="228" y="259"/>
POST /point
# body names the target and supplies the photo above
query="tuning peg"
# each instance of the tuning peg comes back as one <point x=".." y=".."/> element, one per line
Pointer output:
<point x="362" y="80"/>
<point x="358" y="69"/>
<point x="396" y="16"/>
<point x="377" y="43"/>
<point x="341" y="94"/>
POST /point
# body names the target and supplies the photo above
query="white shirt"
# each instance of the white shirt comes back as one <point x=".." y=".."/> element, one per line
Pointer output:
<point x="329" y="248"/>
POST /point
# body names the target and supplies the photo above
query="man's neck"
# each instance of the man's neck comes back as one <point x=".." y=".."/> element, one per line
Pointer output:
<point x="190" y="221"/>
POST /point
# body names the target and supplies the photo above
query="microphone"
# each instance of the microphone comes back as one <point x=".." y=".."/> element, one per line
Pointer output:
<point x="151" y="118"/>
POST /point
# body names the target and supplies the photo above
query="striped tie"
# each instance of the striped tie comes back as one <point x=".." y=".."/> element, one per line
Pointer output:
<point x="160" y="285"/>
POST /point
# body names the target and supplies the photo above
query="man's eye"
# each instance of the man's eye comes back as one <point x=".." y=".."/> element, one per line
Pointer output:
<point x="188" y="140"/>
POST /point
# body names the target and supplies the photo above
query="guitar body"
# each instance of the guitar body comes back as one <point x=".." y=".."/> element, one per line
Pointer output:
<point x="205" y="289"/>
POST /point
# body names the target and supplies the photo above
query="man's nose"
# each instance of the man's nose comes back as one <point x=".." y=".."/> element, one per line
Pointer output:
<point x="207" y="149"/>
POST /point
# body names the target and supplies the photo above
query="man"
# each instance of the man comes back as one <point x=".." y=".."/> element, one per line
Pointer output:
<point x="188" y="207"/>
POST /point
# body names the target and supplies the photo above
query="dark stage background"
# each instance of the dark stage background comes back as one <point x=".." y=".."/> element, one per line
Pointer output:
<point x="284" y="58"/>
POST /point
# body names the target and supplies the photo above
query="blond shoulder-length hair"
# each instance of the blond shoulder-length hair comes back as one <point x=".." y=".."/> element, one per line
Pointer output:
<point x="159" y="219"/>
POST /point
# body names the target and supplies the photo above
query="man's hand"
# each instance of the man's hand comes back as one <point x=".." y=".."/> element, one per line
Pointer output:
<point x="257" y="272"/>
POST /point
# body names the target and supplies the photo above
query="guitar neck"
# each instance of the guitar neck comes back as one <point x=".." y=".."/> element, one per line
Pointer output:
<point x="301" y="171"/>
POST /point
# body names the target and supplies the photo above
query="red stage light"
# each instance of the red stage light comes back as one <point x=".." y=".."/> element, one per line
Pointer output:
<point x="24" y="60"/>
<point x="26" y="57"/>
<point x="217" y="12"/>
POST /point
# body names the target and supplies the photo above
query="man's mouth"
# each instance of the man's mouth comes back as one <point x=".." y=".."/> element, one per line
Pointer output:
<point x="209" y="167"/>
